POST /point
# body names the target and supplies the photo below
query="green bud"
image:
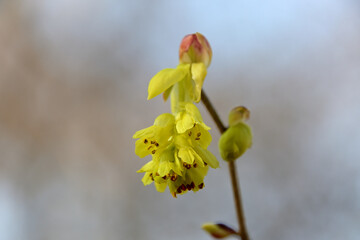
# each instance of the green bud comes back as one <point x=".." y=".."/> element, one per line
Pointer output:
<point x="238" y="137"/>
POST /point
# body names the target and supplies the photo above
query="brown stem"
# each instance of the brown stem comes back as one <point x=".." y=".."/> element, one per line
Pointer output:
<point x="232" y="169"/>
<point x="238" y="202"/>
<point x="212" y="112"/>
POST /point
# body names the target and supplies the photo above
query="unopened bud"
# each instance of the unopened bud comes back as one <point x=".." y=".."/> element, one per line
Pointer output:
<point x="195" y="48"/>
<point x="238" y="114"/>
<point x="218" y="230"/>
<point x="238" y="137"/>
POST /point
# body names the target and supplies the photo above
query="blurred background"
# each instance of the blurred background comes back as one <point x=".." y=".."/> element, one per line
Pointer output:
<point x="73" y="88"/>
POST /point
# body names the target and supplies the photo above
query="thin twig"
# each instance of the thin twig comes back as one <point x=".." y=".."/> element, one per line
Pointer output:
<point x="212" y="112"/>
<point x="232" y="169"/>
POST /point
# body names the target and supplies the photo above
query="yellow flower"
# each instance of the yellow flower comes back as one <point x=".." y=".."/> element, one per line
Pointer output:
<point x="155" y="139"/>
<point x="180" y="158"/>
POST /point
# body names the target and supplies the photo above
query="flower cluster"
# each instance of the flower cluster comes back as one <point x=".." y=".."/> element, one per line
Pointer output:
<point x="178" y="142"/>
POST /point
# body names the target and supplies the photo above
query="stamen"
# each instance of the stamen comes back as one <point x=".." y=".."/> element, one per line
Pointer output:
<point x="146" y="141"/>
<point x="195" y="165"/>
<point x="152" y="142"/>
<point x="156" y="144"/>
<point x="179" y="190"/>
<point x="192" y="185"/>
<point x="173" y="194"/>
<point x="153" y="152"/>
<point x="183" y="187"/>
<point x="157" y="174"/>
<point x="205" y="164"/>
<point x="173" y="177"/>
<point x="197" y="138"/>
<point x="201" y="185"/>
<point x="187" y="166"/>
<point x="164" y="177"/>
<point x="190" y="133"/>
<point x="149" y="147"/>
<point x="188" y="187"/>
<point x="198" y="134"/>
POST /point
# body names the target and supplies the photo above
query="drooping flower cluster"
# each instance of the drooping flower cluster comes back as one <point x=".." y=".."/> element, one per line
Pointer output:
<point x="178" y="142"/>
<point x="178" y="148"/>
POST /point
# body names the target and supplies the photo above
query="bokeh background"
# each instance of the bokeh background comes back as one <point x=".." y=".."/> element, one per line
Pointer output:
<point x="73" y="86"/>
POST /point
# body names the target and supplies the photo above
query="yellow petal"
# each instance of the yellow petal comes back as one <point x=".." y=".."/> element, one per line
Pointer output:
<point x="198" y="159"/>
<point x="186" y="156"/>
<point x="198" y="174"/>
<point x="143" y="132"/>
<point x="198" y="74"/>
<point x="178" y="166"/>
<point x="141" y="148"/>
<point x="149" y="167"/>
<point x="164" y="120"/>
<point x="205" y="136"/>
<point x="160" y="187"/>
<point x="164" y="168"/>
<point x="184" y="122"/>
<point x="207" y="157"/>
<point x="165" y="158"/>
<point x="166" y="78"/>
<point x="195" y="113"/>
<point x="147" y="179"/>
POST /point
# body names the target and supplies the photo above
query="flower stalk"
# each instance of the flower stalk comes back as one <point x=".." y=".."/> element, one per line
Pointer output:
<point x="243" y="233"/>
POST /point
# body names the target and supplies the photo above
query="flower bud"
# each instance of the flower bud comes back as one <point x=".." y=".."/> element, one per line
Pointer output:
<point x="218" y="230"/>
<point x="238" y="137"/>
<point x="195" y="48"/>
<point x="238" y="114"/>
